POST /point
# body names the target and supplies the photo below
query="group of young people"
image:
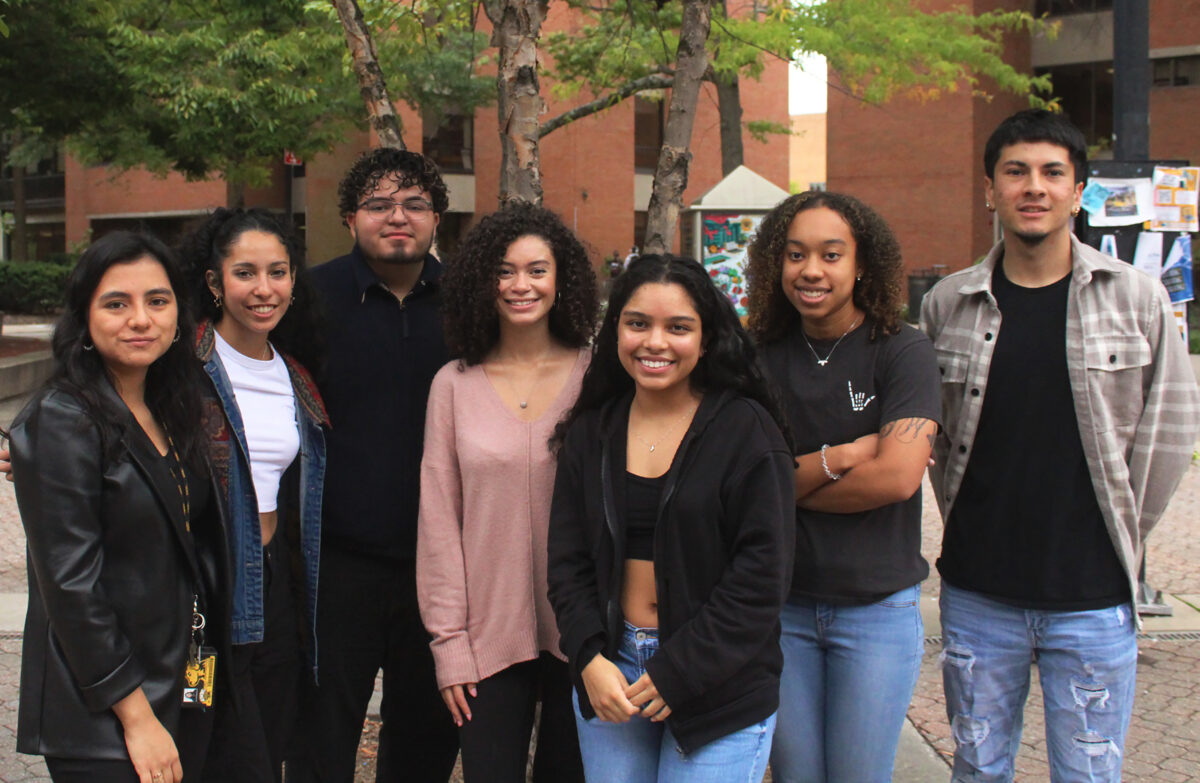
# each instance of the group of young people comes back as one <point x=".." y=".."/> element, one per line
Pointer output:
<point x="696" y="545"/>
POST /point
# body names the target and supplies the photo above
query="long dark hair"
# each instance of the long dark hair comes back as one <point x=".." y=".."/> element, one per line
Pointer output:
<point x="730" y="360"/>
<point x="172" y="381"/>
<point x="298" y="333"/>
<point x="877" y="294"/>
<point x="472" y="325"/>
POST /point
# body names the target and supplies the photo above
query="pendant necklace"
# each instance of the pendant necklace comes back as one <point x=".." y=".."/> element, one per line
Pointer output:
<point x="822" y="362"/>
<point x="668" y="431"/>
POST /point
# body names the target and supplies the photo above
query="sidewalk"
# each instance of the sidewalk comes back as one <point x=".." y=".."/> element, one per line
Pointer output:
<point x="1163" y="744"/>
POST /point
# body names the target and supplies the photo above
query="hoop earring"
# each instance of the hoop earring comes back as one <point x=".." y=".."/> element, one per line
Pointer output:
<point x="88" y="347"/>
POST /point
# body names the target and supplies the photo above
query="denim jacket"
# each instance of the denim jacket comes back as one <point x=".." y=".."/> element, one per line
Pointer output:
<point x="231" y="468"/>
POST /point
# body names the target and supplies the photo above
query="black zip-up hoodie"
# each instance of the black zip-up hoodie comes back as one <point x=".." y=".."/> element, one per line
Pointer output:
<point x="723" y="549"/>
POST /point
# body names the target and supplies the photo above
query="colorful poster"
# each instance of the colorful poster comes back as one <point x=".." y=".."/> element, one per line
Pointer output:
<point x="1177" y="270"/>
<point x="1175" y="197"/>
<point x="1127" y="202"/>
<point x="724" y="237"/>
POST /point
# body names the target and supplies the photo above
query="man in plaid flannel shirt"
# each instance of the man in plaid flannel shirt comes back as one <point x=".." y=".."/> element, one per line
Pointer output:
<point x="1071" y="411"/>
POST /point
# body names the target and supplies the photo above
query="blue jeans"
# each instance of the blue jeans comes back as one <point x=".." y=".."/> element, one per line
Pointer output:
<point x="640" y="751"/>
<point x="848" y="677"/>
<point x="1087" y="662"/>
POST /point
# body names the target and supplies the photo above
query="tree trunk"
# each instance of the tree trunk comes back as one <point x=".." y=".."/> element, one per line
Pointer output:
<point x="670" y="178"/>
<point x="380" y="109"/>
<point x="729" y="104"/>
<point x="235" y="194"/>
<point x="516" y="27"/>
<point x="20" y="242"/>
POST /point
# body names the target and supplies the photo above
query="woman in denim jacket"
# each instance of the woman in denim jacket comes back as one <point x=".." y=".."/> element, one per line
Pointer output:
<point x="265" y="421"/>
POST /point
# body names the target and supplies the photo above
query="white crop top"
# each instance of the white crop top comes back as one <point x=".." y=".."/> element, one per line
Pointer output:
<point x="263" y="390"/>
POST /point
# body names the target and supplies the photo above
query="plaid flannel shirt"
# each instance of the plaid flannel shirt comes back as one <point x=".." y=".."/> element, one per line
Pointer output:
<point x="1134" y="390"/>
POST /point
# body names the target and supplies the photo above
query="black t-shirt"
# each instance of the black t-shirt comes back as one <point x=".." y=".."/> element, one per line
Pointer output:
<point x="1026" y="529"/>
<point x="856" y="558"/>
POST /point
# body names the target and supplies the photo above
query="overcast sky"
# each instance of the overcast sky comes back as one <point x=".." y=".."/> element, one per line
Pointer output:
<point x="806" y="86"/>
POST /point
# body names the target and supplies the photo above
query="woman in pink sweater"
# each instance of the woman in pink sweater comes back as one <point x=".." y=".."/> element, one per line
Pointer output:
<point x="520" y="308"/>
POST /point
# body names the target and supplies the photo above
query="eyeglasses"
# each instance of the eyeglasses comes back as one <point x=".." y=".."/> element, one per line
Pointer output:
<point x="382" y="208"/>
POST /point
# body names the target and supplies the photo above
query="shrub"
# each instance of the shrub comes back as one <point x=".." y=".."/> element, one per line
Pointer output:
<point x="32" y="287"/>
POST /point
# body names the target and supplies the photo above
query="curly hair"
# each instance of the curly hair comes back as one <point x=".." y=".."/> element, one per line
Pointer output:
<point x="410" y="169"/>
<point x="469" y="287"/>
<point x="174" y="379"/>
<point x="877" y="294"/>
<point x="729" y="362"/>
<point x="300" y="332"/>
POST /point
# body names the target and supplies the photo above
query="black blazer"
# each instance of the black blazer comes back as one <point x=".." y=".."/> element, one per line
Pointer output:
<point x="723" y="546"/>
<point x="112" y="571"/>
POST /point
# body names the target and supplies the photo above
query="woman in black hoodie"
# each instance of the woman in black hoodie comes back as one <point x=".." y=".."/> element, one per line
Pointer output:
<point x="671" y="536"/>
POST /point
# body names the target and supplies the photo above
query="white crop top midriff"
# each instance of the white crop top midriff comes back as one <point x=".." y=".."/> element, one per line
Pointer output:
<point x="263" y="390"/>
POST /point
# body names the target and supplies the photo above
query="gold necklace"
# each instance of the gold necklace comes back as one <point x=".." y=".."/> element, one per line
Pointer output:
<point x="669" y="430"/>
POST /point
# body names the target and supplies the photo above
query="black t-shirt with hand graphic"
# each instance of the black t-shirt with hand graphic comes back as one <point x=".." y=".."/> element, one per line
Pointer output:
<point x="853" y="559"/>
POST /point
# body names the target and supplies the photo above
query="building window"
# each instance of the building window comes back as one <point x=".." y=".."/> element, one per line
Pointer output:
<point x="449" y="139"/>
<point x="1086" y="92"/>
<point x="647" y="134"/>
<point x="1177" y="71"/>
<point x="1058" y="7"/>
<point x="640" y="220"/>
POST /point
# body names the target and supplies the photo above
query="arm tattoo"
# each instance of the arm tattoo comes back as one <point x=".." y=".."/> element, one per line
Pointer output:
<point x="907" y="430"/>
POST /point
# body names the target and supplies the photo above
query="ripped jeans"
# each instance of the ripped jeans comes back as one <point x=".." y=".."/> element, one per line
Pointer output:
<point x="1087" y="663"/>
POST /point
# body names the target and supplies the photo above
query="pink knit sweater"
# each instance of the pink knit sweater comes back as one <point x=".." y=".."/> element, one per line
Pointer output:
<point x="486" y="482"/>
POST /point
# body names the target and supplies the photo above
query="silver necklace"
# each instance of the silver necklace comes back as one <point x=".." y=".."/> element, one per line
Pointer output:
<point x="668" y="431"/>
<point x="822" y="362"/>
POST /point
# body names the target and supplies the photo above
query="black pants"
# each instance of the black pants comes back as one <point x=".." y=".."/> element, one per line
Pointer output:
<point x="367" y="619"/>
<point x="248" y="743"/>
<point x="495" y="742"/>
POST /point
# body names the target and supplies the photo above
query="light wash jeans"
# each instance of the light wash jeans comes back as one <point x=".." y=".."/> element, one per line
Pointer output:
<point x="1087" y="662"/>
<point x="640" y="751"/>
<point x="848" y="677"/>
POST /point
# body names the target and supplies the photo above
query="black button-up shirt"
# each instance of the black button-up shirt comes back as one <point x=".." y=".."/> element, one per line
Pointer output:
<point x="383" y="354"/>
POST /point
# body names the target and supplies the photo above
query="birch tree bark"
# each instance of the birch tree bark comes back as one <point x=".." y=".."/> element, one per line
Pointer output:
<point x="380" y="109"/>
<point x="516" y="26"/>
<point x="671" y="175"/>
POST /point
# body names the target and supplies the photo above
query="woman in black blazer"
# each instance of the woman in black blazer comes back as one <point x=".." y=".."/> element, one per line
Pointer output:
<point x="125" y="547"/>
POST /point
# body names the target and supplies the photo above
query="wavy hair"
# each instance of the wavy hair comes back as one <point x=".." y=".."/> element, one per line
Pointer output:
<point x="771" y="315"/>
<point x="172" y="381"/>
<point x="729" y="361"/>
<point x="469" y="287"/>
<point x="299" y="333"/>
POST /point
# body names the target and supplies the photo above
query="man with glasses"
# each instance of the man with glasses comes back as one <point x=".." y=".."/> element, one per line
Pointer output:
<point x="385" y="345"/>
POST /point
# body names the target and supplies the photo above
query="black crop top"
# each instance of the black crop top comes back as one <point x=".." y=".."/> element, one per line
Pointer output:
<point x="642" y="496"/>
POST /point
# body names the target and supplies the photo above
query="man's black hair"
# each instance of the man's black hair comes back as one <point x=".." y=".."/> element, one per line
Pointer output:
<point x="1037" y="125"/>
<point x="411" y="168"/>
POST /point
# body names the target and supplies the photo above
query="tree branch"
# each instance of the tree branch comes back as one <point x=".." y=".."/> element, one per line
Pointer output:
<point x="656" y="81"/>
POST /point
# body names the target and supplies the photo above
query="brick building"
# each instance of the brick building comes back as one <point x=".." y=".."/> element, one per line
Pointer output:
<point x="596" y="173"/>
<point x="920" y="164"/>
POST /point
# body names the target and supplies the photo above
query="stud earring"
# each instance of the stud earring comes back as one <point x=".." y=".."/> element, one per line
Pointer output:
<point x="176" y="335"/>
<point x="1075" y="211"/>
<point x="988" y="206"/>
